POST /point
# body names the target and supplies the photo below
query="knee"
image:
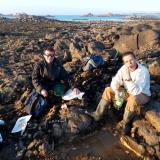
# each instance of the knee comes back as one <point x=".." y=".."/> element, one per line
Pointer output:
<point x="107" y="93"/>
<point x="107" y="90"/>
<point x="131" y="103"/>
<point x="133" y="99"/>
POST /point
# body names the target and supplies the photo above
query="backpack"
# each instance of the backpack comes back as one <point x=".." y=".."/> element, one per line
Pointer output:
<point x="35" y="103"/>
<point x="98" y="60"/>
<point x="93" y="62"/>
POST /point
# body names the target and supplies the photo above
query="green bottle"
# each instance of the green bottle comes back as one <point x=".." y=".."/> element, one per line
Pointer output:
<point x="120" y="101"/>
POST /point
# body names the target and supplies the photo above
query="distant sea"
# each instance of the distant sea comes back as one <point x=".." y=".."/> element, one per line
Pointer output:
<point x="101" y="18"/>
<point x="86" y="18"/>
<point x="92" y="18"/>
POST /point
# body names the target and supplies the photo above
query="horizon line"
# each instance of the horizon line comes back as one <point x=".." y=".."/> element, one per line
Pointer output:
<point x="121" y="12"/>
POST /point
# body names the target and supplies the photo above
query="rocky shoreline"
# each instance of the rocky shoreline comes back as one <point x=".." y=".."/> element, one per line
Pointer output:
<point x="21" y="43"/>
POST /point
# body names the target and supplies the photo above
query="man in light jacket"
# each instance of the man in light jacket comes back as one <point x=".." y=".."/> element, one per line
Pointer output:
<point x="135" y="78"/>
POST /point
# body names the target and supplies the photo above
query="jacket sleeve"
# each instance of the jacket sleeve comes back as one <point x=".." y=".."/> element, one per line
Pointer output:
<point x="36" y="78"/>
<point x="64" y="75"/>
<point x="117" y="81"/>
<point x="141" y="82"/>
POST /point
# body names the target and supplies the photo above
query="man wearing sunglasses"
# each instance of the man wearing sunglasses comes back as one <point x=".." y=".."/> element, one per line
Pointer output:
<point x="49" y="76"/>
<point x="135" y="79"/>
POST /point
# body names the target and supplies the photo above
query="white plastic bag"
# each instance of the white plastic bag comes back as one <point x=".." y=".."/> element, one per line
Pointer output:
<point x="69" y="95"/>
<point x="2" y="122"/>
<point x="21" y="124"/>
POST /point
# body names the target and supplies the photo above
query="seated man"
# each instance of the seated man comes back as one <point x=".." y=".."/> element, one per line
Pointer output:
<point x="48" y="73"/>
<point x="135" y="78"/>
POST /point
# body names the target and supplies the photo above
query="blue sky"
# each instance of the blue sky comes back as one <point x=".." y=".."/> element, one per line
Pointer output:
<point x="70" y="7"/>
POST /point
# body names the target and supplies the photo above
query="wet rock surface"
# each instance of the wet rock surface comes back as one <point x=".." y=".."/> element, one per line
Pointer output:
<point x="21" y="43"/>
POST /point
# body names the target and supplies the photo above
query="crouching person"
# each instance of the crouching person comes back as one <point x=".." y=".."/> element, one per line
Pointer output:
<point x="49" y="78"/>
<point x="135" y="78"/>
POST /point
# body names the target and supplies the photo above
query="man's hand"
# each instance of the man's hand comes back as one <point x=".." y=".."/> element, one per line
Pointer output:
<point x="116" y="94"/>
<point x="44" y="93"/>
<point x="126" y="75"/>
<point x="76" y="91"/>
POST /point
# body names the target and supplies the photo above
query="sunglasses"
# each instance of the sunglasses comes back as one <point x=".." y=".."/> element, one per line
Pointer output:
<point x="49" y="55"/>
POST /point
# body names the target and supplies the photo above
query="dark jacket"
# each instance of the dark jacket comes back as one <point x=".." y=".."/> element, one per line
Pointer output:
<point x="44" y="77"/>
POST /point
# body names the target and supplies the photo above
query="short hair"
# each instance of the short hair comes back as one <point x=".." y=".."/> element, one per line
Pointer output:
<point x="128" y="53"/>
<point x="49" y="49"/>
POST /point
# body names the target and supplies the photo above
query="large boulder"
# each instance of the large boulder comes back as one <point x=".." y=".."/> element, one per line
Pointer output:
<point x="49" y="36"/>
<point x="153" y="116"/>
<point x="126" y="43"/>
<point x="148" y="39"/>
<point x="71" y="66"/>
<point x="142" y="41"/>
<point x="60" y="45"/>
<point x="95" y="47"/>
<point x="131" y="144"/>
<point x="125" y="30"/>
<point x="140" y="27"/>
<point x="154" y="68"/>
<point x="21" y="15"/>
<point x="77" y="120"/>
<point x="75" y="51"/>
<point x="145" y="130"/>
<point x="61" y="50"/>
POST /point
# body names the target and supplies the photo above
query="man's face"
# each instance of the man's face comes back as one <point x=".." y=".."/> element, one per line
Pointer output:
<point x="131" y="62"/>
<point x="49" y="56"/>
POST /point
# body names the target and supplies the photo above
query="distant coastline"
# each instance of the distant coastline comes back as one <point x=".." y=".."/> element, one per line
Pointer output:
<point x="91" y="17"/>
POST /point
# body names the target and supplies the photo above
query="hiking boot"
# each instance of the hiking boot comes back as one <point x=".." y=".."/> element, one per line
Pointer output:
<point x="126" y="129"/>
<point x="127" y="119"/>
<point x="95" y="116"/>
<point x="99" y="110"/>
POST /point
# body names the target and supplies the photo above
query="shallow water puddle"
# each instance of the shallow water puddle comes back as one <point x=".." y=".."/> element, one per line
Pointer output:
<point x="101" y="143"/>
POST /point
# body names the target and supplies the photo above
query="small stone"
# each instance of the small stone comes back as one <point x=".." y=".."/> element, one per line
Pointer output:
<point x="32" y="144"/>
<point x="20" y="154"/>
<point x="127" y="152"/>
<point x="38" y="134"/>
<point x="29" y="136"/>
<point x="57" y="130"/>
<point x="28" y="154"/>
<point x="35" y="152"/>
<point x="43" y="148"/>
